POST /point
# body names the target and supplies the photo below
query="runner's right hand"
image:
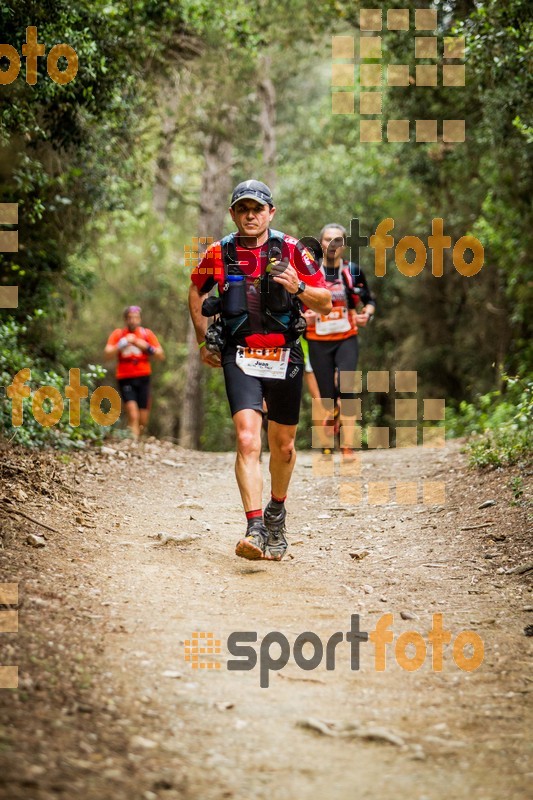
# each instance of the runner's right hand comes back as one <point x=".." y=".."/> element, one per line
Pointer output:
<point x="211" y="359"/>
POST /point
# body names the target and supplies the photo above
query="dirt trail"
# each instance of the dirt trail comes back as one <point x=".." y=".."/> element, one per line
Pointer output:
<point x="156" y="728"/>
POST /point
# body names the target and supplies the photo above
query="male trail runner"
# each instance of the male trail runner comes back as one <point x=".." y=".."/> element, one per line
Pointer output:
<point x="262" y="277"/>
<point x="134" y="345"/>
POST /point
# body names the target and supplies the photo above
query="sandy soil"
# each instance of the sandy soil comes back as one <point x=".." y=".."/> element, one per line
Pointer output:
<point x="108" y="707"/>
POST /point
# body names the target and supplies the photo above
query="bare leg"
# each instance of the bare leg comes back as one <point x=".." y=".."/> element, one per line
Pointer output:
<point x="282" y="456"/>
<point x="144" y="414"/>
<point x="348" y="433"/>
<point x="324" y="423"/>
<point x="312" y="385"/>
<point x="132" y="414"/>
<point x="247" y="466"/>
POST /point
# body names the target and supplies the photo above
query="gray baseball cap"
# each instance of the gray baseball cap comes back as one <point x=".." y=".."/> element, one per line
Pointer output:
<point x="253" y="190"/>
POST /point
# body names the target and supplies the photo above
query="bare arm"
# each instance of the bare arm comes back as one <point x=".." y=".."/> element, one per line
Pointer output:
<point x="195" y="309"/>
<point x="318" y="300"/>
<point x="314" y="297"/>
<point x="200" y="325"/>
<point x="110" y="350"/>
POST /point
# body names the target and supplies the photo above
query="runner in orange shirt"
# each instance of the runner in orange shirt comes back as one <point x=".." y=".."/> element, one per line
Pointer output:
<point x="134" y="346"/>
<point x="333" y="338"/>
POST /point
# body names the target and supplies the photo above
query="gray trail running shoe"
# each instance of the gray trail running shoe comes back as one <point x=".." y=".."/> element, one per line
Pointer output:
<point x="277" y="544"/>
<point x="253" y="545"/>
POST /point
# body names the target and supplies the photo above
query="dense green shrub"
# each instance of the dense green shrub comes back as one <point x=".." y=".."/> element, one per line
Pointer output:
<point x="15" y="356"/>
<point x="499" y="424"/>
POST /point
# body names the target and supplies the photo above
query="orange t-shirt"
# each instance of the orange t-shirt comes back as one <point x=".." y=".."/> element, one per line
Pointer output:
<point x="132" y="361"/>
<point x="340" y="322"/>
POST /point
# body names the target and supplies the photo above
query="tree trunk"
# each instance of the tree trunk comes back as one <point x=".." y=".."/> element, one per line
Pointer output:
<point x="216" y="186"/>
<point x="169" y="130"/>
<point x="267" y="120"/>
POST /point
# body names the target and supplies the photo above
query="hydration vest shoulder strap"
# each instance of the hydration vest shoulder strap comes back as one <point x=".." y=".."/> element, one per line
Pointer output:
<point x="229" y="255"/>
<point x="348" y="275"/>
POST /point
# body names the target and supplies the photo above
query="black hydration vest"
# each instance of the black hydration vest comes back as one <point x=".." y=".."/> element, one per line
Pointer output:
<point x="257" y="305"/>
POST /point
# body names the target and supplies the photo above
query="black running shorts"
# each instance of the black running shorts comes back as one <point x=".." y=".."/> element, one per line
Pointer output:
<point x="136" y="389"/>
<point x="282" y="396"/>
<point x="329" y="357"/>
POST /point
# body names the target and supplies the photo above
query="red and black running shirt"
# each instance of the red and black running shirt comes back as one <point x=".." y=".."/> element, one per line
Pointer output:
<point x="252" y="263"/>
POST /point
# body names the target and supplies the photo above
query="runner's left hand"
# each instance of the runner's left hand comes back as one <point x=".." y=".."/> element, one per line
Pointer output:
<point x="362" y="318"/>
<point x="284" y="273"/>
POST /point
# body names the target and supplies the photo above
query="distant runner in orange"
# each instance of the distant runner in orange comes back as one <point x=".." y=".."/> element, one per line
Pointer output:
<point x="134" y="346"/>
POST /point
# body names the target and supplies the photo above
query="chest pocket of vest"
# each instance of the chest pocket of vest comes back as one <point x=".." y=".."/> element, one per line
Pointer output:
<point x="276" y="299"/>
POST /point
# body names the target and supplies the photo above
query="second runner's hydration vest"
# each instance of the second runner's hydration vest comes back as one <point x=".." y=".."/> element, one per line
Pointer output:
<point x="257" y="304"/>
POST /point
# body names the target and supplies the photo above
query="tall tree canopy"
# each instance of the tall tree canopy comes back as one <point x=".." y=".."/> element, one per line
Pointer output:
<point x="110" y="174"/>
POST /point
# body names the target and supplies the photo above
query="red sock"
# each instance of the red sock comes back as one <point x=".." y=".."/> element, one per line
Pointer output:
<point x="256" y="514"/>
<point x="279" y="500"/>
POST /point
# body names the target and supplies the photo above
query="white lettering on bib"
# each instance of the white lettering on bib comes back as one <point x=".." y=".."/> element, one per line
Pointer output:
<point x="263" y="363"/>
<point x="335" y="322"/>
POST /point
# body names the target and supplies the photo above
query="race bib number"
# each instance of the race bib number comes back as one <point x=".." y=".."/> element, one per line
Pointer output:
<point x="132" y="351"/>
<point x="263" y="363"/>
<point x="335" y="322"/>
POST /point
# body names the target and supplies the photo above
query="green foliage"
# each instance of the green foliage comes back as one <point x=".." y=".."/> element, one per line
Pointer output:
<point x="80" y="160"/>
<point x="15" y="356"/>
<point x="70" y="152"/>
<point x="512" y="405"/>
<point x="500" y="448"/>
<point x="499" y="424"/>
<point x="517" y="487"/>
<point x="482" y="186"/>
<point x="218" y="431"/>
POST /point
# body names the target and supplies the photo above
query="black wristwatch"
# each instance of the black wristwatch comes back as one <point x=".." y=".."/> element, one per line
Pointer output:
<point x="301" y="288"/>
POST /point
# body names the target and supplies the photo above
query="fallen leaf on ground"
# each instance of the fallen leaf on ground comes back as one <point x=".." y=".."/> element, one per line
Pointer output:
<point x="357" y="555"/>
